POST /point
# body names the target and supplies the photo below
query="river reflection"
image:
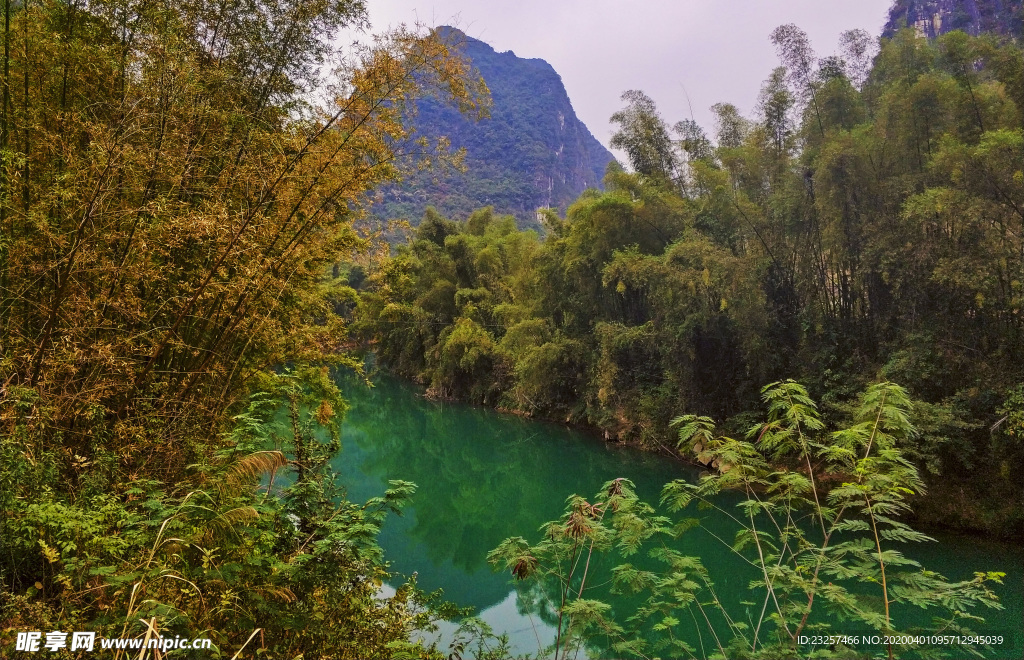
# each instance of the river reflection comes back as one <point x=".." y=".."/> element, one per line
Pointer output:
<point x="482" y="477"/>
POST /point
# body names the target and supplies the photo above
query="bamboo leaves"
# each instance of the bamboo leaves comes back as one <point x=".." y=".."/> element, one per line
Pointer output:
<point x="187" y="197"/>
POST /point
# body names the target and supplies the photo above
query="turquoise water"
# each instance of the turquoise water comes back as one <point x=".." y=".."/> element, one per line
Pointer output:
<point x="484" y="476"/>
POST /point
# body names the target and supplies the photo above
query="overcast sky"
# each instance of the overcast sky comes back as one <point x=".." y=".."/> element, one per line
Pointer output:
<point x="711" y="50"/>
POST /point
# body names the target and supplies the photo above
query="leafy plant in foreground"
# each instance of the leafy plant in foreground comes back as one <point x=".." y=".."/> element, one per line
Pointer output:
<point x="820" y="534"/>
<point x="286" y="568"/>
<point x="617" y="520"/>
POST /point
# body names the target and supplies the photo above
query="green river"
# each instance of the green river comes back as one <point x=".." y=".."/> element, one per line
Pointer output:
<point x="483" y="476"/>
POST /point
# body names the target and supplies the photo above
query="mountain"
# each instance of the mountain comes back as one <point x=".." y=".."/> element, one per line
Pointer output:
<point x="934" y="17"/>
<point x="531" y="152"/>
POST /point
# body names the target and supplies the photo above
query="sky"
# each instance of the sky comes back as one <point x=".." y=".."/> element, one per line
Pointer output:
<point x="685" y="54"/>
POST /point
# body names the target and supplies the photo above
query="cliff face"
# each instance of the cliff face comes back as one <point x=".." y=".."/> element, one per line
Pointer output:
<point x="532" y="152"/>
<point x="930" y="18"/>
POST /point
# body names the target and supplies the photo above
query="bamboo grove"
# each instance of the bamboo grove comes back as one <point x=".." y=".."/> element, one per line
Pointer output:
<point x="176" y="180"/>
<point x="865" y="225"/>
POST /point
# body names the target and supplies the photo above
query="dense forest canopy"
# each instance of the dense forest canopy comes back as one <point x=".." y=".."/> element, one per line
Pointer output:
<point x="867" y="223"/>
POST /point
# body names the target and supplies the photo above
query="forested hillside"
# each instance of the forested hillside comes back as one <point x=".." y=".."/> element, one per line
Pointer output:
<point x="866" y="224"/>
<point x="530" y="152"/>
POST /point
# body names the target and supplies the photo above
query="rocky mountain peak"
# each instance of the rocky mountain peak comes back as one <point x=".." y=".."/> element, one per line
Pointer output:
<point x="531" y="152"/>
<point x="931" y="18"/>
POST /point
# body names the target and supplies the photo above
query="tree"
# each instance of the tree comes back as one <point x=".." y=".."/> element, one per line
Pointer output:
<point x="644" y="137"/>
<point x="858" y="48"/>
<point x="799" y="60"/>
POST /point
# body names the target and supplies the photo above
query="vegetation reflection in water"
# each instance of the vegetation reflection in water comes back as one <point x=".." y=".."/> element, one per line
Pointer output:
<point x="483" y="477"/>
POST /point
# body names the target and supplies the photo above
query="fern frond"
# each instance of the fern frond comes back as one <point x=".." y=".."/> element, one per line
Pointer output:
<point x="240" y="515"/>
<point x="283" y="594"/>
<point x="254" y="465"/>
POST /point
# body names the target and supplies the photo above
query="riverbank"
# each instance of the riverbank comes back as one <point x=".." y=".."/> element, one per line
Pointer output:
<point x="483" y="477"/>
<point x="947" y="506"/>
